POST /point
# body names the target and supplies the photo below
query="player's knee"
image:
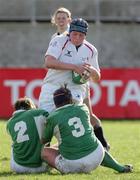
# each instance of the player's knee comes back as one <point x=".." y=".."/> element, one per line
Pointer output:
<point x="44" y="153"/>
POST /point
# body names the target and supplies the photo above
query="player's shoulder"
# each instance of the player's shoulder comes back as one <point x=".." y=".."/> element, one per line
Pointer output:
<point x="56" y="34"/>
<point x="59" y="112"/>
<point x="60" y="38"/>
<point x="38" y="112"/>
<point x="90" y="46"/>
<point x="8" y="123"/>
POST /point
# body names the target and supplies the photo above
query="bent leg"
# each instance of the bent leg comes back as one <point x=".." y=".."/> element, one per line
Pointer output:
<point x="49" y="154"/>
<point x="24" y="169"/>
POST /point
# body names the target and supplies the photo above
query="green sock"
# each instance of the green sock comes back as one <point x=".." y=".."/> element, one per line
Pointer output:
<point x="110" y="162"/>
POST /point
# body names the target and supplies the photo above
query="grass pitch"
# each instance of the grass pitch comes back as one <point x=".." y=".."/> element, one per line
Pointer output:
<point x="124" y="137"/>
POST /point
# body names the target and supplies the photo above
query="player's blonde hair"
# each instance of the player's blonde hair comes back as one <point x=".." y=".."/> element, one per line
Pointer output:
<point x="60" y="10"/>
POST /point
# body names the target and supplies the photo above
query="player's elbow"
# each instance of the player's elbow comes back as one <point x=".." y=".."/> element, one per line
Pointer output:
<point x="49" y="61"/>
<point x="96" y="76"/>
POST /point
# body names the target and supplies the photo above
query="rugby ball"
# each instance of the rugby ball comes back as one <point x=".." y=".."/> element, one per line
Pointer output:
<point x="78" y="79"/>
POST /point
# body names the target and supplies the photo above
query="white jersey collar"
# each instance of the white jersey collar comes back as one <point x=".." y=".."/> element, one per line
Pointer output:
<point x="15" y="112"/>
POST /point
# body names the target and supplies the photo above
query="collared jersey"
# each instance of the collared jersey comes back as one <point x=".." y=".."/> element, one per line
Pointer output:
<point x="63" y="50"/>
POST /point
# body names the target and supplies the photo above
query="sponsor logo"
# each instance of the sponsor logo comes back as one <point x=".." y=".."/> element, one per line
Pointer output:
<point x="68" y="53"/>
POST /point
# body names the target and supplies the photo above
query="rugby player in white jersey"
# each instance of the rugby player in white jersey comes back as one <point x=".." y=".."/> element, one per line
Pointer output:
<point x="67" y="53"/>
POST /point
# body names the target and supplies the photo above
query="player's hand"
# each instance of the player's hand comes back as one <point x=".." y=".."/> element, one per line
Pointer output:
<point x="79" y="69"/>
<point x="87" y="71"/>
<point x="87" y="67"/>
<point x="92" y="72"/>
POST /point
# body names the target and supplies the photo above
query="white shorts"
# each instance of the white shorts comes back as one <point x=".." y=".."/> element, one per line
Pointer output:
<point x="22" y="169"/>
<point x="46" y="96"/>
<point x="85" y="164"/>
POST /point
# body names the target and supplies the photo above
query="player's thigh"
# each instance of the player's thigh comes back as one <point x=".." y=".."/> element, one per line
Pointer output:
<point x="78" y="94"/>
<point x="46" y="97"/>
<point x="95" y="121"/>
<point x="85" y="164"/>
<point x="94" y="159"/>
<point x="22" y="169"/>
<point x="66" y="166"/>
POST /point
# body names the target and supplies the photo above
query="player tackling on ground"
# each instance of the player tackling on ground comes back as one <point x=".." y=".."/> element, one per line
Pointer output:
<point x="25" y="128"/>
<point x="78" y="148"/>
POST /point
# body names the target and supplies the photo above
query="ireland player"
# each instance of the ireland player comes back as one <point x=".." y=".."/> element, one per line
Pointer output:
<point x="25" y="128"/>
<point x="78" y="148"/>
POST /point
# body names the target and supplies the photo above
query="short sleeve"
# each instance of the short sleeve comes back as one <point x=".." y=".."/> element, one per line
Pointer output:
<point x="94" y="60"/>
<point x="55" y="47"/>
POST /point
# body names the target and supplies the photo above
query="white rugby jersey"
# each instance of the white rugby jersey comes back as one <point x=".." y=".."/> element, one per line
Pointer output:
<point x="63" y="50"/>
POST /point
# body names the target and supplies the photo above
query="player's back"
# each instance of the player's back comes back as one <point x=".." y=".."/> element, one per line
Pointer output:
<point x="76" y="132"/>
<point x="24" y="128"/>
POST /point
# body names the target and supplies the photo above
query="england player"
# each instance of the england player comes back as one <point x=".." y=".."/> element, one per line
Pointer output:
<point x="61" y="19"/>
<point x="64" y="55"/>
<point x="25" y="128"/>
<point x="78" y="148"/>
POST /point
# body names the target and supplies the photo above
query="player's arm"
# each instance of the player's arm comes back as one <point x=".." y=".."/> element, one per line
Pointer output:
<point x="47" y="133"/>
<point x="53" y="53"/>
<point x="7" y="128"/>
<point x="53" y="63"/>
<point x="93" y="67"/>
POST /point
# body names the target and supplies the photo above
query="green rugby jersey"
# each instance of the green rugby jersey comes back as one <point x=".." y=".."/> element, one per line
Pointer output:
<point x="73" y="130"/>
<point x="26" y="129"/>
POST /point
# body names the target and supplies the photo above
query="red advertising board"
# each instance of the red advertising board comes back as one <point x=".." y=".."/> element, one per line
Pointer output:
<point x="117" y="96"/>
<point x="18" y="82"/>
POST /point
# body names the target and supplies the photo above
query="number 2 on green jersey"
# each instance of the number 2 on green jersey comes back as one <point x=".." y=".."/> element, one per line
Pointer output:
<point x="79" y="128"/>
<point x="21" y="127"/>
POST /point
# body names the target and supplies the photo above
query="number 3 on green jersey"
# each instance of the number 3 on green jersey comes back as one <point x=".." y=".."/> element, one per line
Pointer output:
<point x="79" y="128"/>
